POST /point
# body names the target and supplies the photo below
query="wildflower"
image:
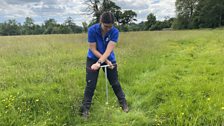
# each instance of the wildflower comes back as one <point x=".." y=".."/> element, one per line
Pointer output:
<point x="208" y="99"/>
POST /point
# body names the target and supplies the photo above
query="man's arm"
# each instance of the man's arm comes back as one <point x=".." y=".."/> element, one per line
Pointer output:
<point x="102" y="58"/>
<point x="92" y="47"/>
<point x="110" y="47"/>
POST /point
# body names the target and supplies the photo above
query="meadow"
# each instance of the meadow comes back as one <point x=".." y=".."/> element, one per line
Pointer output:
<point x="169" y="78"/>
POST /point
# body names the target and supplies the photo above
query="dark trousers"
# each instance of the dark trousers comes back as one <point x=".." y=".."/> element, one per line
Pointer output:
<point x="91" y="81"/>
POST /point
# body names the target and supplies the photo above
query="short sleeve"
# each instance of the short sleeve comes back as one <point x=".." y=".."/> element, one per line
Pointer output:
<point x="115" y="35"/>
<point x="91" y="35"/>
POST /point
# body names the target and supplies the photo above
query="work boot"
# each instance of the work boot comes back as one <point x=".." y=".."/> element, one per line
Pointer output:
<point x="124" y="106"/>
<point x="84" y="112"/>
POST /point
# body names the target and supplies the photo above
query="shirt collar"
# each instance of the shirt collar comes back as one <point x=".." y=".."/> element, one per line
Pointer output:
<point x="99" y="28"/>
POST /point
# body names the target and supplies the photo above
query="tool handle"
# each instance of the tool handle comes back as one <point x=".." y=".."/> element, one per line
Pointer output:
<point x="108" y="65"/>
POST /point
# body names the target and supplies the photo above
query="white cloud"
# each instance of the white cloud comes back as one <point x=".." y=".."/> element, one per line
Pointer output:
<point x="160" y="8"/>
<point x="163" y="8"/>
<point x="132" y="4"/>
<point x="41" y="10"/>
<point x="15" y="11"/>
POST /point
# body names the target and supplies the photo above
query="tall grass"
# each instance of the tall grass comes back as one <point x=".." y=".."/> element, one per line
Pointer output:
<point x="169" y="78"/>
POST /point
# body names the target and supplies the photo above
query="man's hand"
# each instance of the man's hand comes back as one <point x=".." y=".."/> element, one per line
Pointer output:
<point x="95" y="66"/>
<point x="111" y="66"/>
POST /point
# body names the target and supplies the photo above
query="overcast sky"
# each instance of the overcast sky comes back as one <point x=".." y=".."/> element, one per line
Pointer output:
<point x="41" y="10"/>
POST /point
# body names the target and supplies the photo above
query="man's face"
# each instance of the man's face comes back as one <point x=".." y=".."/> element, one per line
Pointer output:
<point x="106" y="27"/>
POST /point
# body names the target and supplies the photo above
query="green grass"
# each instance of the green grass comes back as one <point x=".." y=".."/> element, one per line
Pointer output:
<point x="169" y="78"/>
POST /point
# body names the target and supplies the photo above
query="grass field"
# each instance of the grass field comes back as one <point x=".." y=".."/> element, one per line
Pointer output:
<point x="169" y="78"/>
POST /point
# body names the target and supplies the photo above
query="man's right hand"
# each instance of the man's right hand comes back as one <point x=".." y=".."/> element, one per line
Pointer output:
<point x="95" y="66"/>
<point x="111" y="66"/>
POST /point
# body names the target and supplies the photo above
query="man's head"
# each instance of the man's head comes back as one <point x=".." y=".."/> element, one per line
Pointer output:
<point x="107" y="21"/>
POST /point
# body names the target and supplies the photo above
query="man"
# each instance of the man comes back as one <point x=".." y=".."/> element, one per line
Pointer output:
<point x="102" y="38"/>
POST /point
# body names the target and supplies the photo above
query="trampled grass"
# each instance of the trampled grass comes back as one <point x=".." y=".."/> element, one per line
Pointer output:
<point x="169" y="78"/>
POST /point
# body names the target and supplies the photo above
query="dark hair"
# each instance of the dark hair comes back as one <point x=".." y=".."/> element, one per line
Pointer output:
<point x="107" y="17"/>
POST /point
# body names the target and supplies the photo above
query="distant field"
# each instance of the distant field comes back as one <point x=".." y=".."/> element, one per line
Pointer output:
<point x="169" y="78"/>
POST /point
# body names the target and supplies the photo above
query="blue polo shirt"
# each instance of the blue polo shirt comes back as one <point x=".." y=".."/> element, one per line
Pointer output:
<point x="95" y="35"/>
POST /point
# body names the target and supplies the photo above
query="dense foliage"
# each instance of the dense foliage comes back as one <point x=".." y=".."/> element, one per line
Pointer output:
<point x="199" y="14"/>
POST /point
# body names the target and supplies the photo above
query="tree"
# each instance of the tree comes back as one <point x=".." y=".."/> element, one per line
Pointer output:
<point x="85" y="26"/>
<point x="65" y="29"/>
<point x="185" y="11"/>
<point x="199" y="14"/>
<point x="70" y="26"/>
<point x="93" y="8"/>
<point x="38" y="29"/>
<point x="108" y="5"/>
<point x="97" y="7"/>
<point x="151" y="20"/>
<point x="136" y="27"/>
<point x="157" y="26"/>
<point x="167" y="23"/>
<point x="51" y="27"/>
<point x="10" y="27"/>
<point x="210" y="13"/>
<point x="127" y="17"/>
<point x="28" y="26"/>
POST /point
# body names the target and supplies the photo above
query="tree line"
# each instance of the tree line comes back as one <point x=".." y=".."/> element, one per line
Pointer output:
<point x="190" y="14"/>
<point x="50" y="26"/>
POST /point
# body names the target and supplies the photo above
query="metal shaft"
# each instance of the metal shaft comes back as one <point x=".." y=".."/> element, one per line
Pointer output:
<point x="105" y="71"/>
<point x="106" y="84"/>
